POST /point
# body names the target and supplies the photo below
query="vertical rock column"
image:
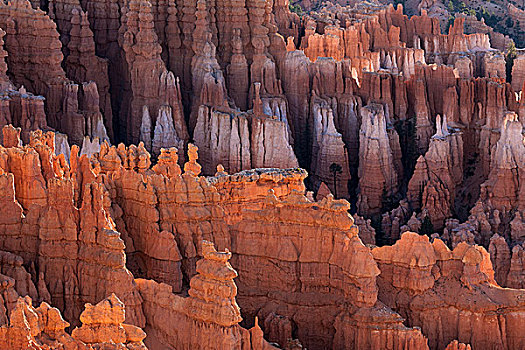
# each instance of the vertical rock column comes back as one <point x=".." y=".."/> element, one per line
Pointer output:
<point x="34" y="53"/>
<point x="212" y="291"/>
<point x="208" y="81"/>
<point x="329" y="153"/>
<point x="437" y="174"/>
<point x="237" y="72"/>
<point x="270" y="147"/>
<point x="152" y="84"/>
<point x="83" y="65"/>
<point x="377" y="174"/>
<point x="296" y="85"/>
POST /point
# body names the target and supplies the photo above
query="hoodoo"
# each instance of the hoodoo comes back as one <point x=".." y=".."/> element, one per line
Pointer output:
<point x="262" y="174"/>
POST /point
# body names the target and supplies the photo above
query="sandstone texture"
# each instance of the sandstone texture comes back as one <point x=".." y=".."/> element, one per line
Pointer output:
<point x="257" y="175"/>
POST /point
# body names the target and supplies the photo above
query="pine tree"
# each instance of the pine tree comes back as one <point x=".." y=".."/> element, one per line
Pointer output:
<point x="335" y="169"/>
<point x="426" y="227"/>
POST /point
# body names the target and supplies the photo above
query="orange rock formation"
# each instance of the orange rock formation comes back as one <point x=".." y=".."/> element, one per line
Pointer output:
<point x="152" y="196"/>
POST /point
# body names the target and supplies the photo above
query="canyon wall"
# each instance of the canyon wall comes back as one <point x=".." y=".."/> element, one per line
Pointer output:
<point x="150" y="164"/>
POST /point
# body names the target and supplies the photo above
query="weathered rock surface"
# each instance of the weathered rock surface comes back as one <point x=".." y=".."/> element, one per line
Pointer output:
<point x="419" y="130"/>
<point x="415" y="274"/>
<point x="240" y="141"/>
<point x="330" y="159"/>
<point x="208" y="317"/>
<point x="432" y="187"/>
<point x="44" y="328"/>
<point x="143" y="56"/>
<point x="377" y="173"/>
<point x="83" y="65"/>
<point x="518" y="72"/>
<point x="63" y="228"/>
<point x="255" y="232"/>
<point x="104" y="323"/>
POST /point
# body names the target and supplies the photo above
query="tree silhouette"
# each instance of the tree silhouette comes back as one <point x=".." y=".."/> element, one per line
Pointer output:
<point x="335" y="169"/>
<point x="510" y="56"/>
<point x="426" y="226"/>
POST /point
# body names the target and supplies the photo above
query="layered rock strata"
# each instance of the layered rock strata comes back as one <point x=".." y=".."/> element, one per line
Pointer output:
<point x="62" y="227"/>
<point x="44" y="328"/>
<point x="377" y="172"/>
<point x="209" y="311"/>
<point x="417" y="278"/>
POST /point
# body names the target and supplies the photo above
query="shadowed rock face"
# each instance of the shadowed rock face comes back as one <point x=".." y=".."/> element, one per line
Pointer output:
<point x="152" y="197"/>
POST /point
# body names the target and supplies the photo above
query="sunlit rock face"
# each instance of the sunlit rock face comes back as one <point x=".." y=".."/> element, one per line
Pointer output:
<point x="256" y="175"/>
